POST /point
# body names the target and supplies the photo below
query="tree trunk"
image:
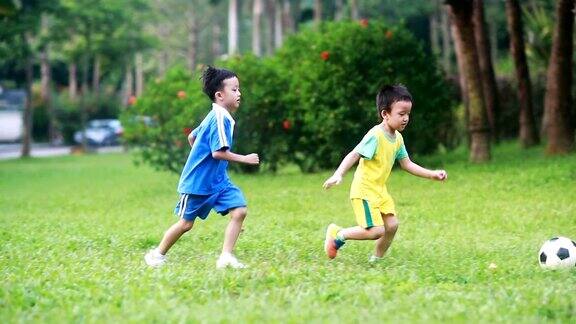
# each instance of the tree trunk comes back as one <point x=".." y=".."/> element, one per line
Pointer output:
<point x="528" y="134"/>
<point x="84" y="102"/>
<point x="46" y="91"/>
<point x="28" y="109"/>
<point x="288" y="18"/>
<point x="73" y="81"/>
<point x="192" y="40"/>
<point x="44" y="74"/>
<point x="139" y="65"/>
<point x="278" y="31"/>
<point x="446" y="42"/>
<point x="434" y="26"/>
<point x="354" y="12"/>
<point x="339" y="8"/>
<point x="461" y="17"/>
<point x="128" y="84"/>
<point x="489" y="87"/>
<point x="96" y="75"/>
<point x="317" y="12"/>
<point x="233" y="27"/>
<point x="296" y="13"/>
<point x="162" y="55"/>
<point x="558" y="99"/>
<point x="270" y="14"/>
<point x="216" y="48"/>
<point x="257" y="10"/>
<point x="461" y="76"/>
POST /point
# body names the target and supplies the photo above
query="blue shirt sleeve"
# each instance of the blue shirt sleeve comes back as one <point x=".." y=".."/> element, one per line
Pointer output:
<point x="367" y="147"/>
<point x="195" y="131"/>
<point x="220" y="134"/>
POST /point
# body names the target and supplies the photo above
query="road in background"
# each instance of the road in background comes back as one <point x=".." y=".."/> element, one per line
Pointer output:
<point x="12" y="151"/>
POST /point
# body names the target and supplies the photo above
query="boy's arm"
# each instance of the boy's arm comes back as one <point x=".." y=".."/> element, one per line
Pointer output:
<point x="345" y="165"/>
<point x="417" y="170"/>
<point x="233" y="157"/>
<point x="191" y="138"/>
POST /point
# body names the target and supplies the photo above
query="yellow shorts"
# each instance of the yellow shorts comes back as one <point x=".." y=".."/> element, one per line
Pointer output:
<point x="369" y="214"/>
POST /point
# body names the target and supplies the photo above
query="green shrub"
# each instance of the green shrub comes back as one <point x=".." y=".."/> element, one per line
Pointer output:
<point x="334" y="75"/>
<point x="261" y="120"/>
<point x="159" y="122"/>
<point x="309" y="104"/>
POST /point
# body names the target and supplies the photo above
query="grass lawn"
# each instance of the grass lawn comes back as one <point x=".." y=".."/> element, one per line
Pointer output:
<point x="73" y="232"/>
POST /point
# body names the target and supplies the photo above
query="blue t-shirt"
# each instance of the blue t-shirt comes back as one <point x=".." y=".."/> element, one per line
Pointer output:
<point x="203" y="174"/>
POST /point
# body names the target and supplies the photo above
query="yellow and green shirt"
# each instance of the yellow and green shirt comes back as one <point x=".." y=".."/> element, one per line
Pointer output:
<point x="378" y="152"/>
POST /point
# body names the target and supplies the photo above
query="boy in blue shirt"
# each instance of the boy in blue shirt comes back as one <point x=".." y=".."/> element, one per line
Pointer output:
<point x="204" y="183"/>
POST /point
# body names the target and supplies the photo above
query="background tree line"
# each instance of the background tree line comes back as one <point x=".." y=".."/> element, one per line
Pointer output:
<point x="95" y="57"/>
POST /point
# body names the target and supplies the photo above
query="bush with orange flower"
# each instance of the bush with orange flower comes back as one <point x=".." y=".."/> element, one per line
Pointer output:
<point x="334" y="74"/>
<point x="157" y="124"/>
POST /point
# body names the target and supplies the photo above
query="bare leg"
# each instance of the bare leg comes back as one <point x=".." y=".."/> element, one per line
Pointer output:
<point x="384" y="242"/>
<point x="360" y="233"/>
<point x="173" y="234"/>
<point x="233" y="229"/>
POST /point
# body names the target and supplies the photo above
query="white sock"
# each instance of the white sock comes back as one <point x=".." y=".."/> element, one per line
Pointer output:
<point x="226" y="255"/>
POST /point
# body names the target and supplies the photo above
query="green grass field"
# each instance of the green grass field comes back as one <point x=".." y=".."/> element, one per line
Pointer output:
<point x="73" y="232"/>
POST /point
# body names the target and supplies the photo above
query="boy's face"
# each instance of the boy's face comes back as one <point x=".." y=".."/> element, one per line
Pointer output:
<point x="229" y="96"/>
<point x="398" y="116"/>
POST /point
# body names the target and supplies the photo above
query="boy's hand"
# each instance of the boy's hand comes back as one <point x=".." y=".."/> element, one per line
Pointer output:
<point x="332" y="181"/>
<point x="252" y="159"/>
<point x="440" y="175"/>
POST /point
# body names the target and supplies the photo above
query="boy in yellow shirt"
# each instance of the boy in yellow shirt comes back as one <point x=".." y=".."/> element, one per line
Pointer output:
<point x="381" y="146"/>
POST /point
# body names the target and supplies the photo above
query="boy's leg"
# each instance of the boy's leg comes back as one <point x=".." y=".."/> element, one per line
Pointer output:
<point x="173" y="234"/>
<point x="370" y="227"/>
<point x="237" y="216"/>
<point x="231" y="201"/>
<point x="157" y="257"/>
<point x="384" y="242"/>
<point x="359" y="233"/>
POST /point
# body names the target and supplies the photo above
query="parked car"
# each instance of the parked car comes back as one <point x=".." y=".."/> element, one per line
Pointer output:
<point x="101" y="132"/>
<point x="11" y="115"/>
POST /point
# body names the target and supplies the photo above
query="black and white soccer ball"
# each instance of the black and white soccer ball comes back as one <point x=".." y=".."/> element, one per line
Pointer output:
<point x="558" y="252"/>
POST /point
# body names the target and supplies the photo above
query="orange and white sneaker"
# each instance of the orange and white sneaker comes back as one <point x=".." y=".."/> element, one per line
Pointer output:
<point x="331" y="243"/>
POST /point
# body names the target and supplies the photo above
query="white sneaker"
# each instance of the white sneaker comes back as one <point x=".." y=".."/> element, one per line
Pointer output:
<point x="154" y="259"/>
<point x="228" y="260"/>
<point x="374" y="259"/>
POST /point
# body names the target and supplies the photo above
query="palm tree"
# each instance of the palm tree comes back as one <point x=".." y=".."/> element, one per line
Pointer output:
<point x="460" y="12"/>
<point x="558" y="100"/>
<point x="257" y="8"/>
<point x="528" y="133"/>
<point x="486" y="67"/>
<point x="233" y="27"/>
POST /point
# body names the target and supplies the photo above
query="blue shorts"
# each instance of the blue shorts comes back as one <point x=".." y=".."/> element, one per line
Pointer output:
<point x="191" y="206"/>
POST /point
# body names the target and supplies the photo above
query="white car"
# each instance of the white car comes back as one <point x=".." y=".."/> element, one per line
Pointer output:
<point x="11" y="115"/>
<point x="101" y="132"/>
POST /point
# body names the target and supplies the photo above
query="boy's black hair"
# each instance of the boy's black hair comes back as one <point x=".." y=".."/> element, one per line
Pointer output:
<point x="388" y="95"/>
<point x="213" y="80"/>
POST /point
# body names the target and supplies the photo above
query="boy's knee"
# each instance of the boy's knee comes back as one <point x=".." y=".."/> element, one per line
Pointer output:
<point x="239" y="213"/>
<point x="378" y="232"/>
<point x="392" y="225"/>
<point x="185" y="225"/>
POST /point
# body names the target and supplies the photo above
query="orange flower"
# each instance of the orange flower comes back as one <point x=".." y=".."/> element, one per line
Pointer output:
<point x="286" y="124"/>
<point x="132" y="100"/>
<point x="364" y="22"/>
<point x="325" y="55"/>
<point x="181" y="94"/>
<point x="389" y="34"/>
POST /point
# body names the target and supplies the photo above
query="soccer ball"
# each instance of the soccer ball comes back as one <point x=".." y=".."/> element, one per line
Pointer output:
<point x="558" y="252"/>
